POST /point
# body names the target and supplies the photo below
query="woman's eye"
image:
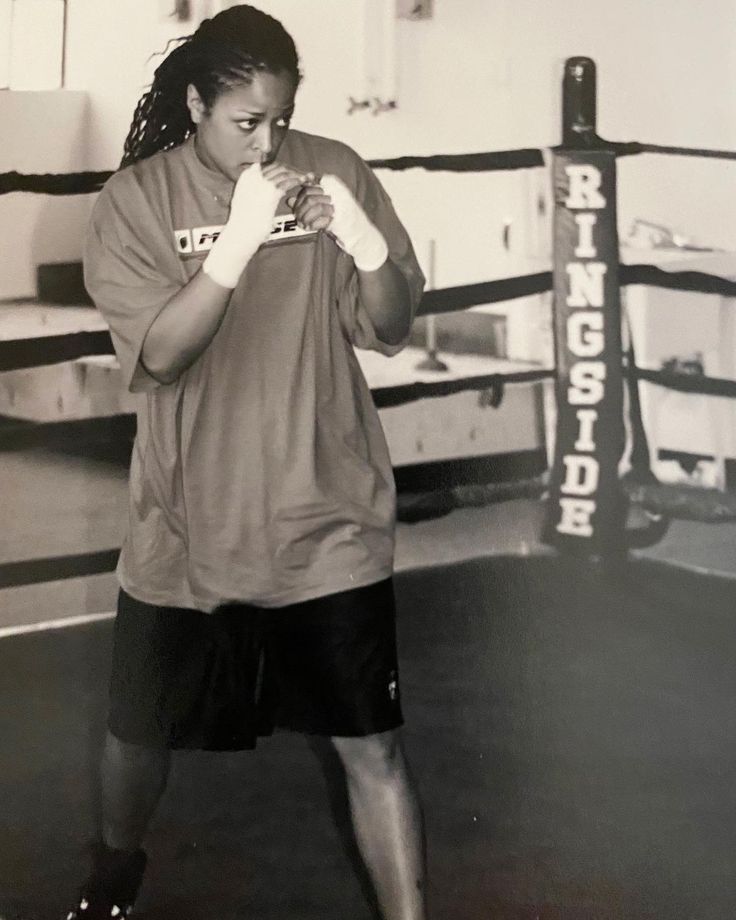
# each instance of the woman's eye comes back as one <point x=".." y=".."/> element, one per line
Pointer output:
<point x="250" y="124"/>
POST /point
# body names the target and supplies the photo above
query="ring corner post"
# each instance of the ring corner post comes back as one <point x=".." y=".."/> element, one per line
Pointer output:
<point x="586" y="510"/>
<point x="579" y="103"/>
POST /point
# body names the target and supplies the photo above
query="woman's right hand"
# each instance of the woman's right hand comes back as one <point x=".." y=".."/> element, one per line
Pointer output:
<point x="252" y="210"/>
<point x="254" y="202"/>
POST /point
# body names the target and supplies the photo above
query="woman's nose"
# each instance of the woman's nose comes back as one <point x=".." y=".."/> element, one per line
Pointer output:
<point x="263" y="140"/>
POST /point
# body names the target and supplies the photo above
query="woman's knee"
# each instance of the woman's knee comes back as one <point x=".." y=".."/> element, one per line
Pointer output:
<point x="376" y="756"/>
<point x="126" y="752"/>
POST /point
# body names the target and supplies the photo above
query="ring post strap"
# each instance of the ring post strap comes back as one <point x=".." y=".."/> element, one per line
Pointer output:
<point x="586" y="510"/>
<point x="640" y="459"/>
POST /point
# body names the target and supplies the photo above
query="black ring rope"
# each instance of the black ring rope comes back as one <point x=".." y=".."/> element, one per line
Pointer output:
<point x="17" y="354"/>
<point x="640" y="458"/>
<point x="449" y="300"/>
<point x="24" y="435"/>
<point x="55" y="568"/>
<point x="630" y="148"/>
<point x="14" y="574"/>
<point x="688" y="383"/>
<point x="24" y="353"/>
<point x="528" y="158"/>
<point x="699" y="282"/>
<point x="83" y="565"/>
<point x="53" y="349"/>
<point x="83" y="183"/>
<point x="388" y="397"/>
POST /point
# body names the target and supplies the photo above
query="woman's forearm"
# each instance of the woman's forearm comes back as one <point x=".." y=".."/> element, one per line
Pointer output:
<point x="184" y="328"/>
<point x="189" y="321"/>
<point x="385" y="295"/>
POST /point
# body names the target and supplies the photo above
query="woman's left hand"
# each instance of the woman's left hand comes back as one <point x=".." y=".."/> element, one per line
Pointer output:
<point x="288" y="179"/>
<point x="312" y="207"/>
<point x="304" y="195"/>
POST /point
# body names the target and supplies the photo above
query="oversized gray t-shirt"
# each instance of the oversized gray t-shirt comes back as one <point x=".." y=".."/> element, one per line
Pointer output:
<point x="262" y="474"/>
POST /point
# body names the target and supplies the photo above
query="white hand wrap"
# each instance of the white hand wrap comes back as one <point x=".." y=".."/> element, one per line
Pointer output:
<point x="252" y="211"/>
<point x="352" y="228"/>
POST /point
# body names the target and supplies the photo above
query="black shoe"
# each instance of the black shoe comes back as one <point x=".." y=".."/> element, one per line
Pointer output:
<point x="112" y="887"/>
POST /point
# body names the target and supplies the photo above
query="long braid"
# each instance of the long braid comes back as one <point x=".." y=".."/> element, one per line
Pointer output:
<point x="161" y="119"/>
<point x="223" y="52"/>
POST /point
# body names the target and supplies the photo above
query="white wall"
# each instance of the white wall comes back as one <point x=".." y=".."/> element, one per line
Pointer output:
<point x="42" y="132"/>
<point x="479" y="76"/>
<point x="666" y="75"/>
<point x="109" y="48"/>
<point x="486" y="75"/>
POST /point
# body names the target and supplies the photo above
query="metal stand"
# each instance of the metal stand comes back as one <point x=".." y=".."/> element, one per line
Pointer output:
<point x="431" y="362"/>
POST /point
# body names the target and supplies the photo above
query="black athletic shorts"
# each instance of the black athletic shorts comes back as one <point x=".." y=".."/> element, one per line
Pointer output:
<point x="216" y="681"/>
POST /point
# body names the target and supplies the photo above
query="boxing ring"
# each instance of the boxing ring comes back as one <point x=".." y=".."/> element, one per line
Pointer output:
<point x="570" y="715"/>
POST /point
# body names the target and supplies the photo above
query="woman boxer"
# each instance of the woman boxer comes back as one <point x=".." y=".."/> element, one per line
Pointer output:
<point x="238" y="262"/>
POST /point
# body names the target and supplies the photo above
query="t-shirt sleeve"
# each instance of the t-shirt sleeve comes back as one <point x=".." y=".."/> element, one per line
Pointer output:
<point x="374" y="200"/>
<point x="128" y="273"/>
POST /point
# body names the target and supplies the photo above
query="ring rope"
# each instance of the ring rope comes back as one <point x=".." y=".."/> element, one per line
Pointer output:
<point x="25" y="435"/>
<point x="630" y="148"/>
<point x="452" y="299"/>
<point x="493" y="161"/>
<point x="389" y="397"/>
<point x="17" y="354"/>
<point x="22" y="435"/>
<point x="54" y="568"/>
<point x="640" y="457"/>
<point x="61" y="348"/>
<point x="411" y="509"/>
<point x="688" y="383"/>
<point x="698" y="282"/>
<point x="83" y="183"/>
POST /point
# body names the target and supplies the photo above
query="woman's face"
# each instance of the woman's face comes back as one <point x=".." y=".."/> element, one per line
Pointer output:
<point x="246" y="124"/>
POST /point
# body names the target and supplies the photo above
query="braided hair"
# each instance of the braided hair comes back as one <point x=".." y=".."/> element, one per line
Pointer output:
<point x="225" y="51"/>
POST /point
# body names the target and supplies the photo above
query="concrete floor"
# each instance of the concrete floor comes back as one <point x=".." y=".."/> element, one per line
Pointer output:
<point x="571" y="728"/>
<point x="573" y="740"/>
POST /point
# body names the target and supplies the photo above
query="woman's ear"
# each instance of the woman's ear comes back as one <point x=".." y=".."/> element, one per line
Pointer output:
<point x="196" y="106"/>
